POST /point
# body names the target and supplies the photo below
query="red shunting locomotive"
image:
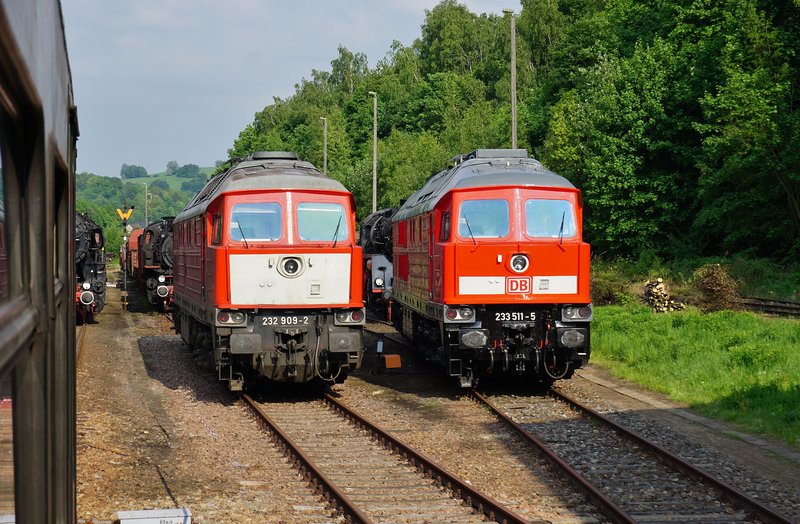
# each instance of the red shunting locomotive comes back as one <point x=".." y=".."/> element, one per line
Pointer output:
<point x="268" y="273"/>
<point x="488" y="261"/>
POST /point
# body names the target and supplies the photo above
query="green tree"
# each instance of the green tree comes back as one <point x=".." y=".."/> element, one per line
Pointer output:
<point x="406" y="161"/>
<point x="187" y="171"/>
<point x="132" y="171"/>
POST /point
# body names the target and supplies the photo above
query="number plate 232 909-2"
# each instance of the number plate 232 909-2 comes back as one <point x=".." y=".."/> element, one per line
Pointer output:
<point x="287" y="321"/>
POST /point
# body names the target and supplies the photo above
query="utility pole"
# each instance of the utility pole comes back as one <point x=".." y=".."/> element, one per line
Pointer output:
<point x="513" y="78"/>
<point x="374" y="150"/>
<point x="325" y="144"/>
<point x="146" y="223"/>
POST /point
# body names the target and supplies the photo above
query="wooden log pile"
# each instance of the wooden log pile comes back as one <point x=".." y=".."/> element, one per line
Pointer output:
<point x="657" y="297"/>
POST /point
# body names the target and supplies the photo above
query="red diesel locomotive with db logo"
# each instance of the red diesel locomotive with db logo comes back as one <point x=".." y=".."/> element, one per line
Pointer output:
<point x="489" y="269"/>
<point x="268" y="273"/>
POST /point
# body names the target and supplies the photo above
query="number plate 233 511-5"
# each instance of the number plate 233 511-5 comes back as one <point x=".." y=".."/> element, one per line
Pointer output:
<point x="288" y="321"/>
<point x="515" y="316"/>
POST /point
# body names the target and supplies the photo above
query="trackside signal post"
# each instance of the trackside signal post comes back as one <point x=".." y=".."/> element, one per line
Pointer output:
<point x="124" y="215"/>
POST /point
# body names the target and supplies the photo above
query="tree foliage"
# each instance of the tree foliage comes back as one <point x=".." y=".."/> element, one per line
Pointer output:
<point x="678" y="120"/>
<point x="132" y="171"/>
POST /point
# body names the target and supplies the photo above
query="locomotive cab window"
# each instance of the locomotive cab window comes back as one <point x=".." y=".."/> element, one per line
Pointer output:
<point x="321" y="221"/>
<point x="549" y="219"/>
<point x="256" y="221"/>
<point x="216" y="230"/>
<point x="444" y="227"/>
<point x="484" y="219"/>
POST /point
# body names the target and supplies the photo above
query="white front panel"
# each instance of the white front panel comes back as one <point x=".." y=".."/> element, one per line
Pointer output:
<point x="556" y="285"/>
<point x="481" y="285"/>
<point x="254" y="279"/>
<point x="496" y="285"/>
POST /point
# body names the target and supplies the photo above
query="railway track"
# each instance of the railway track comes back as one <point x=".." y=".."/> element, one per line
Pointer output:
<point x="772" y="307"/>
<point x="628" y="477"/>
<point x="367" y="473"/>
<point x="81" y="336"/>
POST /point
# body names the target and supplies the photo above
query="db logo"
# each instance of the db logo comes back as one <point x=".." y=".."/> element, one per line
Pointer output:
<point x="518" y="284"/>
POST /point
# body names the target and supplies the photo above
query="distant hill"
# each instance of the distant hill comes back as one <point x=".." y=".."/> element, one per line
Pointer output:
<point x="174" y="181"/>
<point x="101" y="196"/>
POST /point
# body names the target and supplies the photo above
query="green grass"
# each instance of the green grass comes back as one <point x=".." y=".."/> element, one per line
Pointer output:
<point x="733" y="366"/>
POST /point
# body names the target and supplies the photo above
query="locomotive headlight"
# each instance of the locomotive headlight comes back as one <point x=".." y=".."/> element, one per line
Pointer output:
<point x="230" y="318"/>
<point x="162" y="278"/>
<point x="519" y="263"/>
<point x="290" y="267"/>
<point x="379" y="282"/>
<point x="577" y="313"/>
<point x="86" y="285"/>
<point x="349" y="316"/>
<point x="458" y="314"/>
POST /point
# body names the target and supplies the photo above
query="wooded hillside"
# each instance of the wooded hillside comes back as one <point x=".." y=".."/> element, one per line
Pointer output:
<point x="678" y="119"/>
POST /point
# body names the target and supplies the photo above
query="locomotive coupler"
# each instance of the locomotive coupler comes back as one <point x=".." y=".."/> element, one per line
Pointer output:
<point x="291" y="366"/>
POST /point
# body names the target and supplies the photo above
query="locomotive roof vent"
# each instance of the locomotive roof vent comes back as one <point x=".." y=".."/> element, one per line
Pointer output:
<point x="490" y="153"/>
<point x="272" y="155"/>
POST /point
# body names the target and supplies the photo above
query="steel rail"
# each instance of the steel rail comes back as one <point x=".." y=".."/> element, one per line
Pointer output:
<point x="478" y="500"/>
<point x="771" y="307"/>
<point x="598" y="498"/>
<point x="79" y="344"/>
<point x="350" y="510"/>
<point x="733" y="494"/>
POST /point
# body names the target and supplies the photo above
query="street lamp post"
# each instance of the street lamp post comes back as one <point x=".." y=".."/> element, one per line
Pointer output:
<point x="325" y="144"/>
<point x="513" y="78"/>
<point x="374" y="150"/>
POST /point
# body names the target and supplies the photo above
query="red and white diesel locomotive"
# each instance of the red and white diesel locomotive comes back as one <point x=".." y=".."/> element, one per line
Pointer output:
<point x="268" y="273"/>
<point x="488" y="262"/>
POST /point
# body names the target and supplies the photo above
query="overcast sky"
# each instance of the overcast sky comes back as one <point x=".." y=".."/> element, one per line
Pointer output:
<point x="161" y="80"/>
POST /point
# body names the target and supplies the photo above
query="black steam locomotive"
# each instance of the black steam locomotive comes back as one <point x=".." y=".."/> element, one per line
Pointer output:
<point x="90" y="268"/>
<point x="155" y="262"/>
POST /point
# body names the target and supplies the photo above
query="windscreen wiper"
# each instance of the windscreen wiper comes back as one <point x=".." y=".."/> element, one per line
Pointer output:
<point x="336" y="233"/>
<point x="242" y="232"/>
<point x="470" y="230"/>
<point x="561" y="229"/>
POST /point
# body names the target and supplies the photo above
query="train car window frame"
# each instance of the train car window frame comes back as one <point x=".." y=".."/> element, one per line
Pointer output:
<point x="474" y="229"/>
<point x="7" y="502"/>
<point x="551" y="227"/>
<point x="339" y="230"/>
<point x="239" y="234"/>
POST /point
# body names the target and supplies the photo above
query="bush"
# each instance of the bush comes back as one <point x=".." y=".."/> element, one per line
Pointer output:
<point x="717" y="289"/>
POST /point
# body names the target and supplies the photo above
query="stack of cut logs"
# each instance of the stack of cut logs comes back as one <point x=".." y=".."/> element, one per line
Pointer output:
<point x="657" y="296"/>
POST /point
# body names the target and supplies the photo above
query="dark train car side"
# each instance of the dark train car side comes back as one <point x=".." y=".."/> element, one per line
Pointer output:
<point x="268" y="273"/>
<point x="90" y="268"/>
<point x="38" y="131"/>
<point x="490" y="272"/>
